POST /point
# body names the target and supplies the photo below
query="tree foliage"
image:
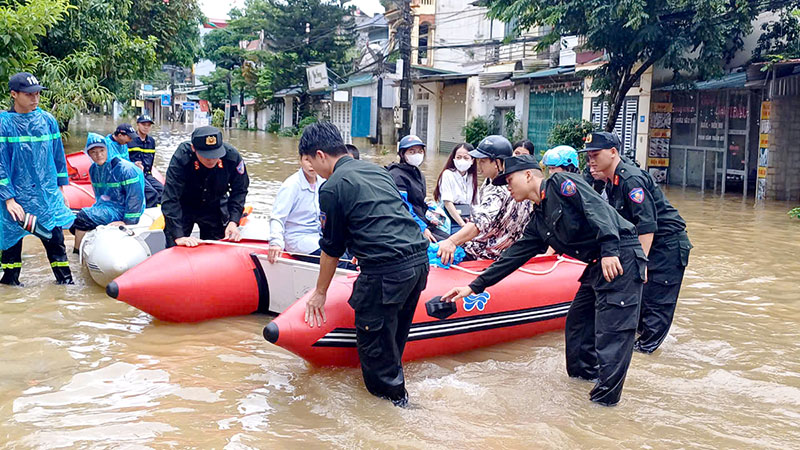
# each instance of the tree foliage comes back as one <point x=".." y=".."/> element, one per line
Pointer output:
<point x="694" y="36"/>
<point x="174" y="24"/>
<point x="22" y="24"/>
<point x="570" y="132"/>
<point x="286" y="47"/>
<point x="779" y="40"/>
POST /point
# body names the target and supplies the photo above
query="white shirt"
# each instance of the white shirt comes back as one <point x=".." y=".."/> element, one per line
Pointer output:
<point x="294" y="223"/>
<point x="456" y="188"/>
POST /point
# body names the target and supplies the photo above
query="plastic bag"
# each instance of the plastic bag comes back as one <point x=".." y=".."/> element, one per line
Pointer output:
<point x="458" y="256"/>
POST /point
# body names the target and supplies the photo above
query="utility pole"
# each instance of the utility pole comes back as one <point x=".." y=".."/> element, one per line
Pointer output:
<point x="405" y="55"/>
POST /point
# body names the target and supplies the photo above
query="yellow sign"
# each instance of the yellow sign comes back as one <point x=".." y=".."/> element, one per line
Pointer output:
<point x="763" y="140"/>
<point x="766" y="107"/>
<point x="137" y="103"/>
<point x="762" y="172"/>
<point x="657" y="162"/>
<point x="660" y="133"/>
<point x="662" y="107"/>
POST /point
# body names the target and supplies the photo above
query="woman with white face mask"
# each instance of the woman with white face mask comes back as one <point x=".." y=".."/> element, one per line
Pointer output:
<point x="411" y="183"/>
<point x="457" y="187"/>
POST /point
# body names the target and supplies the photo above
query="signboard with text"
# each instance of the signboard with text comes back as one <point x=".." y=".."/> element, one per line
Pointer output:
<point x="317" y="77"/>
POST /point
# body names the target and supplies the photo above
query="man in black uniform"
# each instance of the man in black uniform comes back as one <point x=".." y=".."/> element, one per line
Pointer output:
<point x="142" y="151"/>
<point x="361" y="210"/>
<point x="206" y="184"/>
<point x="662" y="233"/>
<point x="570" y="217"/>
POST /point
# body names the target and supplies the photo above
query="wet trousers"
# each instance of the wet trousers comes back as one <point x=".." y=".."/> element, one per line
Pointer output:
<point x="384" y="308"/>
<point x="152" y="191"/>
<point x="11" y="260"/>
<point x="666" y="264"/>
<point x="601" y="325"/>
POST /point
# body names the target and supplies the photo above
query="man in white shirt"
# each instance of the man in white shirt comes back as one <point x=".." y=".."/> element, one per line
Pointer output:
<point x="294" y="223"/>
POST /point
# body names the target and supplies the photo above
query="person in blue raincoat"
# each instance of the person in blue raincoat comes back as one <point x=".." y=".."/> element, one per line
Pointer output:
<point x="32" y="169"/>
<point x="117" y="142"/>
<point x="118" y="187"/>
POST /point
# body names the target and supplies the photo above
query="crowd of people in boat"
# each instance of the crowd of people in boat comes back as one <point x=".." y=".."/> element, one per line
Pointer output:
<point x="613" y="217"/>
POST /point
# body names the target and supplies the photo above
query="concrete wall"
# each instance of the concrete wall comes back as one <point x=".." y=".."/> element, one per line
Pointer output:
<point x="458" y="22"/>
<point x="783" y="172"/>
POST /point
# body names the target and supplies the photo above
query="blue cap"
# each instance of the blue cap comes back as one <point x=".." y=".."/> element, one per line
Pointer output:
<point x="24" y="82"/>
<point x="125" y="129"/>
<point x="144" y="118"/>
<point x="559" y="156"/>
<point x="94" y="140"/>
<point x="600" y="140"/>
<point x="410" y="141"/>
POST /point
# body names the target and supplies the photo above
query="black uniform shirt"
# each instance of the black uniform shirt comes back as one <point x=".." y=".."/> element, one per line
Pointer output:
<point x="362" y="210"/>
<point x="193" y="190"/>
<point x="573" y="219"/>
<point x="637" y="198"/>
<point x="143" y="151"/>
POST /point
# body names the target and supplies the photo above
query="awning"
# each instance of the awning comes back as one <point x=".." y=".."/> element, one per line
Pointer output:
<point x="287" y="92"/>
<point x="504" y="84"/>
<point x="193" y="98"/>
<point x="554" y="72"/>
<point x="361" y="79"/>
<point x="730" y="81"/>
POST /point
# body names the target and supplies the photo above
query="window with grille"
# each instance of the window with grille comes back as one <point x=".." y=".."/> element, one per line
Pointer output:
<point x="626" y="122"/>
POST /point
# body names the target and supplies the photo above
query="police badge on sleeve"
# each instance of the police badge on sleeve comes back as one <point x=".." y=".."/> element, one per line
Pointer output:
<point x="636" y="195"/>
<point x="322" y="218"/>
<point x="568" y="188"/>
<point x="240" y="167"/>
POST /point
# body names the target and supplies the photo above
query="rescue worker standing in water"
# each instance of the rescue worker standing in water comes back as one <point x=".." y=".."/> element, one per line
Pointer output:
<point x="32" y="170"/>
<point x="571" y="218"/>
<point x="142" y="151"/>
<point x="206" y="184"/>
<point x="662" y="232"/>
<point x="362" y="210"/>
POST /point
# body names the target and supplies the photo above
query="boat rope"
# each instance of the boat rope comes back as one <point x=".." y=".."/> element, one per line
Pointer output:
<point x="82" y="189"/>
<point x="261" y="247"/>
<point x="528" y="271"/>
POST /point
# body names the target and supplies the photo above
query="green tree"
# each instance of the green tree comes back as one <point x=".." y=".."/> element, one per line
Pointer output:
<point x="779" y="40"/>
<point x="694" y="36"/>
<point x="217" y="91"/>
<point x="174" y="24"/>
<point x="22" y="24"/>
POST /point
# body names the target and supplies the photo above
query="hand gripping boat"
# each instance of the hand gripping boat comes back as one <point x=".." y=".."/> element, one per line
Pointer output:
<point x="532" y="300"/>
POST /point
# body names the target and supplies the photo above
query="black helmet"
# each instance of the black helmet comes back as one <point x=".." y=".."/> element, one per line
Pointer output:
<point x="494" y="146"/>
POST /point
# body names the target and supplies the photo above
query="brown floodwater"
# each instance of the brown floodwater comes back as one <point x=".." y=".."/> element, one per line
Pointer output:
<point x="81" y="370"/>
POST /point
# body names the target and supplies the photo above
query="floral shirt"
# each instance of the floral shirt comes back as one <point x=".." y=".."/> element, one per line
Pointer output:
<point x="500" y="221"/>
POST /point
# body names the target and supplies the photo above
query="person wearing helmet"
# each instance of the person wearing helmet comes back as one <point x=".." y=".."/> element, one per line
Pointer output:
<point x="411" y="183"/>
<point x="497" y="220"/>
<point x="561" y="158"/>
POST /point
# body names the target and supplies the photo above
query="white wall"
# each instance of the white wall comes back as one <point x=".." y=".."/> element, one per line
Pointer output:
<point x="458" y="22"/>
<point x="288" y="111"/>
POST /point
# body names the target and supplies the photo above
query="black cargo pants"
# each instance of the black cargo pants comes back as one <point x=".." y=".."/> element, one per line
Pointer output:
<point x="666" y="264"/>
<point x="601" y="324"/>
<point x="384" y="308"/>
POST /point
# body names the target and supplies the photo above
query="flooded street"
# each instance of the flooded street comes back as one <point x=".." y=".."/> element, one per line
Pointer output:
<point x="81" y="370"/>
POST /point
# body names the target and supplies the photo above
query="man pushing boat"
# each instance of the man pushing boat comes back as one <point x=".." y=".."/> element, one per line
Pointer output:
<point x="573" y="219"/>
<point x="361" y="210"/>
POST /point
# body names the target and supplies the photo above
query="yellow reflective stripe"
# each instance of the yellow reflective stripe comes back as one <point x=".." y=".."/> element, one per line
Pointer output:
<point x="4" y="181"/>
<point x="132" y="215"/>
<point x="59" y="264"/>
<point x="143" y="150"/>
<point x="62" y="175"/>
<point x="11" y="266"/>
<point x="130" y="181"/>
<point x="15" y="139"/>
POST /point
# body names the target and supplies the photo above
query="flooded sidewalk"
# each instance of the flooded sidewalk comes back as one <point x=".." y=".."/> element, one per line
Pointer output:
<point x="80" y="369"/>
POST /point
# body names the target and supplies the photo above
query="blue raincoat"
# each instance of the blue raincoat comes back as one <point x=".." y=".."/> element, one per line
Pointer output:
<point x="32" y="167"/>
<point x="116" y="150"/>
<point x="119" y="190"/>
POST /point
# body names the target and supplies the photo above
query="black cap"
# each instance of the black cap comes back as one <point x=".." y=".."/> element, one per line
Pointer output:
<point x="24" y="82"/>
<point x="515" y="164"/>
<point x="126" y="129"/>
<point x="600" y="140"/>
<point x="207" y="142"/>
<point x="494" y="146"/>
<point x="144" y="118"/>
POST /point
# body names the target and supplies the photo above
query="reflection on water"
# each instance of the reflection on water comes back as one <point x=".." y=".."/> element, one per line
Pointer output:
<point x="79" y="369"/>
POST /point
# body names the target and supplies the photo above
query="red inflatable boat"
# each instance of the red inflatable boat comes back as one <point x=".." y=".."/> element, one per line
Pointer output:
<point x="79" y="192"/>
<point x="533" y="300"/>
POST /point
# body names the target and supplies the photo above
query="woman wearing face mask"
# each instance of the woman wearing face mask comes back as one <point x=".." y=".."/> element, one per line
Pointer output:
<point x="457" y="186"/>
<point x="411" y="183"/>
